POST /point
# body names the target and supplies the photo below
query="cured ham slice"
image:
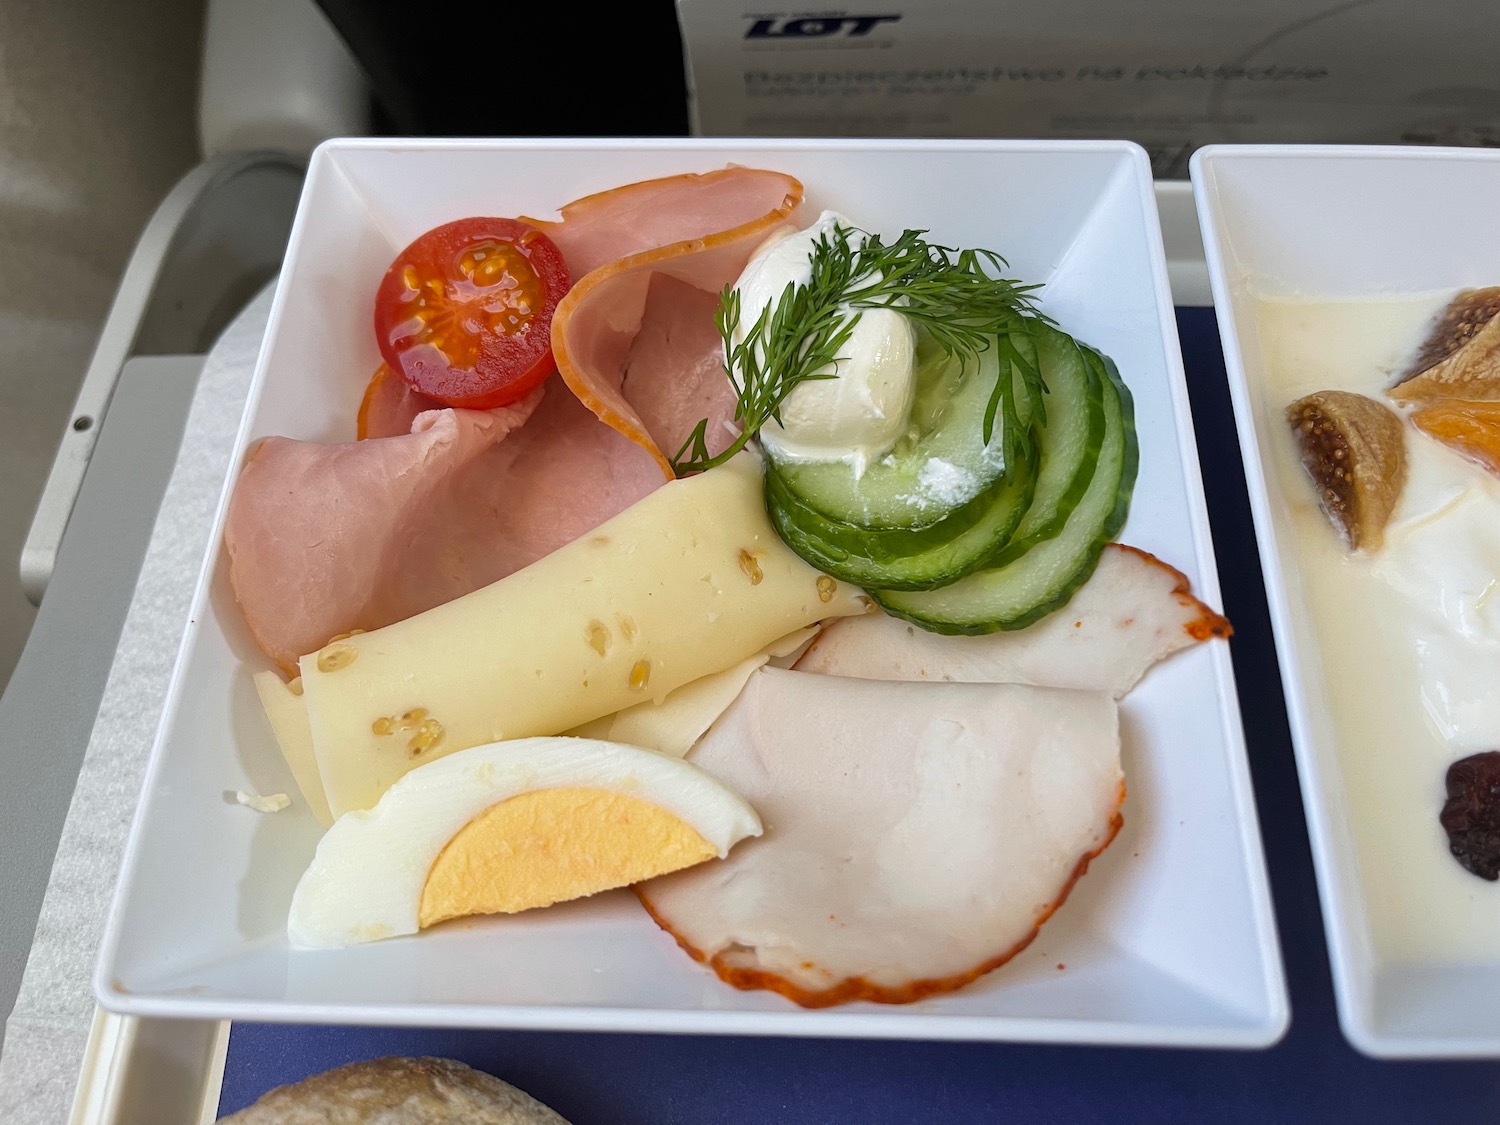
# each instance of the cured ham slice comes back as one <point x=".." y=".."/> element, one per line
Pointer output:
<point x="635" y="338"/>
<point x="1133" y="611"/>
<point x="327" y="538"/>
<point x="562" y="474"/>
<point x="670" y="212"/>
<point x="917" y="835"/>
<point x="390" y="406"/>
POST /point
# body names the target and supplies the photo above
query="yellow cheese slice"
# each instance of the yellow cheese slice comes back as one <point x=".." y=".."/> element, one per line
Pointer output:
<point x="288" y="718"/>
<point x="689" y="581"/>
<point x="675" y="724"/>
<point x="672" y="726"/>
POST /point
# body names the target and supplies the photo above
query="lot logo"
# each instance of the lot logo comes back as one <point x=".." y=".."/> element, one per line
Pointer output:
<point x="816" y="27"/>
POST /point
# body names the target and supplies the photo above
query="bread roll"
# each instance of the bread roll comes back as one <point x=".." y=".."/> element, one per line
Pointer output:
<point x="398" y="1091"/>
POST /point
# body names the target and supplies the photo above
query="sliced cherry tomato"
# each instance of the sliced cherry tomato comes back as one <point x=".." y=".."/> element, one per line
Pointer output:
<point x="464" y="314"/>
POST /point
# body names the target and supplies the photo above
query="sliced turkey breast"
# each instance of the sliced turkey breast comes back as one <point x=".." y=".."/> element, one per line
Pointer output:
<point x="917" y="834"/>
<point x="1134" y="611"/>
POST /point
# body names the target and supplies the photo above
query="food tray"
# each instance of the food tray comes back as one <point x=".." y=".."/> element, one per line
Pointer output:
<point x="1169" y="939"/>
<point x="1356" y="223"/>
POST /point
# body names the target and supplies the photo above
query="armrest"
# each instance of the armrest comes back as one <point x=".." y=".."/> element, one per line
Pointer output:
<point x="216" y="238"/>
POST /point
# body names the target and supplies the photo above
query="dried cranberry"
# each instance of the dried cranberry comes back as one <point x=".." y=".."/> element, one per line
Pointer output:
<point x="1471" y="814"/>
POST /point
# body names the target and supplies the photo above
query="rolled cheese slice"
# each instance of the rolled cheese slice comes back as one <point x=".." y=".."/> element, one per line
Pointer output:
<point x="689" y="581"/>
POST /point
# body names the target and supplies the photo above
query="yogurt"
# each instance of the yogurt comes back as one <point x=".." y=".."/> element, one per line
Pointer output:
<point x="1405" y="674"/>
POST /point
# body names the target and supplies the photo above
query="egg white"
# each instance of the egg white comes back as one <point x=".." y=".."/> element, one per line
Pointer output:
<point x="366" y="880"/>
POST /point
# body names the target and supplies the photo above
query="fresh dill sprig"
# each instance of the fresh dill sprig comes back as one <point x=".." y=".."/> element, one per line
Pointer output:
<point x="956" y="295"/>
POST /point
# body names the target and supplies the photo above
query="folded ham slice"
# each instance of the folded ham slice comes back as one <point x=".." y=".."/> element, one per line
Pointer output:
<point x="670" y="216"/>
<point x="328" y="538"/>
<point x="635" y="337"/>
<point x="324" y="539"/>
<point x="390" y="406"/>
<point x="916" y="835"/>
<point x="1133" y="611"/>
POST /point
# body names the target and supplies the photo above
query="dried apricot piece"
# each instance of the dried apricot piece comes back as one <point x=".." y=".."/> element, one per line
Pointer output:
<point x="1469" y="428"/>
<point x="1353" y="448"/>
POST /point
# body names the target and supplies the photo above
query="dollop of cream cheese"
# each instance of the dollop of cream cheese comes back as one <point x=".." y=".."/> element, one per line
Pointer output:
<point x="859" y="413"/>
<point x="1442" y="556"/>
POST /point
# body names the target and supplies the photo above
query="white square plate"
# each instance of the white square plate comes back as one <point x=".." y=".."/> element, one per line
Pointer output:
<point x="1169" y="939"/>
<point x="1360" y="223"/>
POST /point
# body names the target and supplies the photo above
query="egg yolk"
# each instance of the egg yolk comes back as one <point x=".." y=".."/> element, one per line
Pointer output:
<point x="552" y="845"/>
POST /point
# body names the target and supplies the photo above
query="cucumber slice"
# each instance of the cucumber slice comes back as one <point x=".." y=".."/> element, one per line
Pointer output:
<point x="1025" y="588"/>
<point x="1070" y="442"/>
<point x="880" y="543"/>
<point x="901" y="560"/>
<point x="942" y="464"/>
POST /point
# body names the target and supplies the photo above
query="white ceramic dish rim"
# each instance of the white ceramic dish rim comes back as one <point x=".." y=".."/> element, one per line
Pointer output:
<point x="895" y="1024"/>
<point x="1332" y="846"/>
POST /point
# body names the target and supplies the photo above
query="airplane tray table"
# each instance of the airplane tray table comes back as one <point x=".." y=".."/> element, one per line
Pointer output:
<point x="142" y="1072"/>
<point x="1312" y="1075"/>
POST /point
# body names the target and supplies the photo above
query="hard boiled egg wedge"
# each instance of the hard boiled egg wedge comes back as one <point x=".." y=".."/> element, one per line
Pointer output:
<point x="510" y="826"/>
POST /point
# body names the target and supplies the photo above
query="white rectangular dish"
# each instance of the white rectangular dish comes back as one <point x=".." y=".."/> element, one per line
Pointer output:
<point x="1170" y="939"/>
<point x="1378" y="239"/>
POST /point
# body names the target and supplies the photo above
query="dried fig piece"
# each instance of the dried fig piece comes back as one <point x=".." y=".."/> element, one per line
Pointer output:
<point x="1469" y="428"/>
<point x="1471" y="814"/>
<point x="1460" y="358"/>
<point x="1353" y="448"/>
